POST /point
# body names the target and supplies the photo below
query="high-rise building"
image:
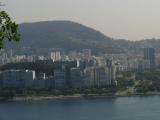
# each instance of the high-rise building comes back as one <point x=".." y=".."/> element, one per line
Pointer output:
<point x="17" y="78"/>
<point x="40" y="81"/>
<point x="55" y="55"/>
<point x="111" y="72"/>
<point x="60" y="80"/>
<point x="149" y="57"/>
<point x="76" y="78"/>
<point x="49" y="82"/>
<point x="1" y="81"/>
<point x="96" y="77"/>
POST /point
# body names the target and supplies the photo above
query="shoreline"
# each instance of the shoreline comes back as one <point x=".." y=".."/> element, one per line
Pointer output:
<point x="79" y="96"/>
<point x="40" y="98"/>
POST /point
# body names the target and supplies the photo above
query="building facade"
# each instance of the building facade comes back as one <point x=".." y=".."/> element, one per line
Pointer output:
<point x="149" y="57"/>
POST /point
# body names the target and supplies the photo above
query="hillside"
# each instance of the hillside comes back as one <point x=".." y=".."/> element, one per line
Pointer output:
<point x="63" y="34"/>
<point x="42" y="36"/>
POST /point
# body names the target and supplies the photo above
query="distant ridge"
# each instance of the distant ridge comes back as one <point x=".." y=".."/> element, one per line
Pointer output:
<point x="72" y="36"/>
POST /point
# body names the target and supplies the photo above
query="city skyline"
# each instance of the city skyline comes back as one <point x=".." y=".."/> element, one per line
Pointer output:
<point x="127" y="19"/>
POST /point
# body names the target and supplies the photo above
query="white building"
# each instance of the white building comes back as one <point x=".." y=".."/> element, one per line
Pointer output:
<point x="55" y="55"/>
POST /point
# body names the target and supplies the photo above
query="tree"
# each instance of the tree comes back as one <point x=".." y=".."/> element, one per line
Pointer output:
<point x="8" y="29"/>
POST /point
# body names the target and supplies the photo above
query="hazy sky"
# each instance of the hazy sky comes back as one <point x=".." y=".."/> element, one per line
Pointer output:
<point x="129" y="19"/>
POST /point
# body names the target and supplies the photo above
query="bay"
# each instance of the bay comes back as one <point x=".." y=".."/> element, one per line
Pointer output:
<point x="121" y="108"/>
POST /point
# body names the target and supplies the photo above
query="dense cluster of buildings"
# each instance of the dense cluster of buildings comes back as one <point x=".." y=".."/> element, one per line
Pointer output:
<point x="89" y="70"/>
<point x="76" y="76"/>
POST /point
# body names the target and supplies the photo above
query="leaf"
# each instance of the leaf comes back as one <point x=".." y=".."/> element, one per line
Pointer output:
<point x="8" y="29"/>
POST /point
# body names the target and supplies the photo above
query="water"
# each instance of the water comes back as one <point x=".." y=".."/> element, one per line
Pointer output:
<point x="123" y="108"/>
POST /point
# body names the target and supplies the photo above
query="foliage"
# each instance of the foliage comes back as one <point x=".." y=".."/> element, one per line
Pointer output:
<point x="66" y="35"/>
<point x="143" y="86"/>
<point x="8" y="29"/>
<point x="12" y="92"/>
<point x="148" y="75"/>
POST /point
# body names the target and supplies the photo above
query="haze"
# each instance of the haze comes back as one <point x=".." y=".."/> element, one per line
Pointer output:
<point x="127" y="19"/>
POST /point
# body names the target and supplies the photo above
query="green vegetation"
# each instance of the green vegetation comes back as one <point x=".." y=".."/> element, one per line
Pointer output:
<point x="8" y="29"/>
<point x="141" y="81"/>
<point x="69" y="35"/>
<point x="66" y="35"/>
<point x="13" y="92"/>
<point x="129" y="83"/>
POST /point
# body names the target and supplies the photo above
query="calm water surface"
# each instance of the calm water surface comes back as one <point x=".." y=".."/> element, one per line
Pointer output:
<point x="123" y="108"/>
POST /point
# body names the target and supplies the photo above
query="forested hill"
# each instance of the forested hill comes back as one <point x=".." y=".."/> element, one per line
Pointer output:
<point x="63" y="34"/>
<point x="71" y="36"/>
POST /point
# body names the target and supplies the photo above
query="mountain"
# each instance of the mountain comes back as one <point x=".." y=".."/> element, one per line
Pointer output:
<point x="39" y="37"/>
<point x="63" y="34"/>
